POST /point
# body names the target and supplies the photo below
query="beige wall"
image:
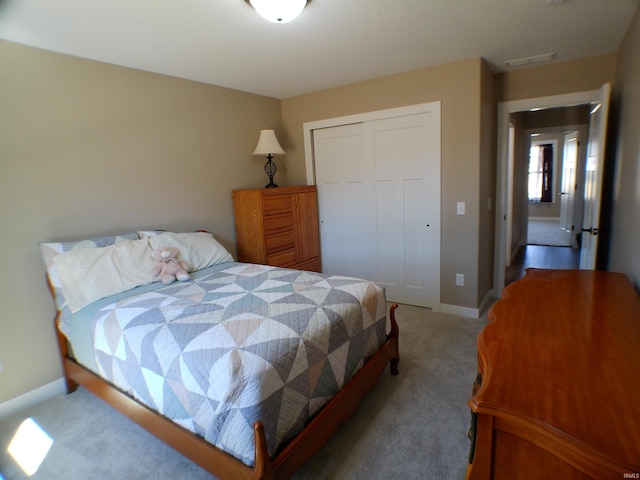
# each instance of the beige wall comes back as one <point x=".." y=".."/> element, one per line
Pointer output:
<point x="458" y="87"/>
<point x="625" y="233"/>
<point x="89" y="149"/>
<point x="554" y="117"/>
<point x="556" y="78"/>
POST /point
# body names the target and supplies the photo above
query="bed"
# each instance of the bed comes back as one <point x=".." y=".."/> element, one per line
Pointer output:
<point x="246" y="369"/>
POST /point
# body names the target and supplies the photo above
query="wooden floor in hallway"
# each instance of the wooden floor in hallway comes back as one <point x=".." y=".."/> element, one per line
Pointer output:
<point x="539" y="256"/>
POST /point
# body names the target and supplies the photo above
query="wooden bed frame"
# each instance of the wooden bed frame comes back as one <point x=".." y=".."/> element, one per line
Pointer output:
<point x="219" y="463"/>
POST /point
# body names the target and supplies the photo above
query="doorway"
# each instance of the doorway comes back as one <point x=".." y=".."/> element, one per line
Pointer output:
<point x="556" y="156"/>
<point x="544" y="174"/>
<point x="509" y="180"/>
<point x="551" y="158"/>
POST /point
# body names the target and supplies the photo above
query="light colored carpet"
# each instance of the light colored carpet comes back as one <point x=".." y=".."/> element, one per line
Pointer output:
<point x="411" y="426"/>
<point x="545" y="233"/>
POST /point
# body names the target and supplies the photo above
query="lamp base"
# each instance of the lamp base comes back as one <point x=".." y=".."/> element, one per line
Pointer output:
<point x="270" y="169"/>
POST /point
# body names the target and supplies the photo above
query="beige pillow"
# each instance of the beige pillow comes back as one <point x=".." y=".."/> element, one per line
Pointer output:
<point x="90" y="274"/>
<point x="198" y="249"/>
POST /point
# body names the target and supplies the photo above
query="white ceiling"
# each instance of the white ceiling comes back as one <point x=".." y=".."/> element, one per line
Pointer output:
<point x="333" y="42"/>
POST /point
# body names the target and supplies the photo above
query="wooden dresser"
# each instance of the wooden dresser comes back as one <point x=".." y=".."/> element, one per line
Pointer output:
<point x="558" y="390"/>
<point x="278" y="226"/>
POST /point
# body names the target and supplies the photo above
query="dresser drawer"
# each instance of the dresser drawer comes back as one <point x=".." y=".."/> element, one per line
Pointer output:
<point x="277" y="205"/>
<point x="280" y="241"/>
<point x="276" y="223"/>
<point x="284" y="258"/>
<point x="312" y="265"/>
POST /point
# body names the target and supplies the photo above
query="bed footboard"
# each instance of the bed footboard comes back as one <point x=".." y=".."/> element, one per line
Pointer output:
<point x="299" y="451"/>
<point x="341" y="407"/>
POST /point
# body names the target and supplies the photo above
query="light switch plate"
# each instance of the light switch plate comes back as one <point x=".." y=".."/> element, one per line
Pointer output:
<point x="460" y="208"/>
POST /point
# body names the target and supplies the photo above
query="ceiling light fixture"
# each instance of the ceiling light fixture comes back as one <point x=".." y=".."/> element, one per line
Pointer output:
<point x="278" y="11"/>
<point x="518" y="62"/>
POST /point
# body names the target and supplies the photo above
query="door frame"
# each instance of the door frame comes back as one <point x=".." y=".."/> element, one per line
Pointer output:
<point x="309" y="127"/>
<point x="504" y="184"/>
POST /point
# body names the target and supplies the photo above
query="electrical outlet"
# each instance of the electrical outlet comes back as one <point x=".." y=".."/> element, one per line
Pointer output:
<point x="460" y="279"/>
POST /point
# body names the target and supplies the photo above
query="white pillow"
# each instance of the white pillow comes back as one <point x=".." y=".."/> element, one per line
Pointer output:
<point x="50" y="250"/>
<point x="198" y="249"/>
<point x="90" y="274"/>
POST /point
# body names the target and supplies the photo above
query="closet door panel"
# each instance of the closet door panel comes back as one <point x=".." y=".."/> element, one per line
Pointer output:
<point x="379" y="202"/>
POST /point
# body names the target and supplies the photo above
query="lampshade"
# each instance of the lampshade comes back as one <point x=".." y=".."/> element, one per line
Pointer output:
<point x="278" y="11"/>
<point x="268" y="144"/>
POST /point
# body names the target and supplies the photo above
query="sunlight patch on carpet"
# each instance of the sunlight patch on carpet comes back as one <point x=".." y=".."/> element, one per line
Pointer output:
<point x="30" y="446"/>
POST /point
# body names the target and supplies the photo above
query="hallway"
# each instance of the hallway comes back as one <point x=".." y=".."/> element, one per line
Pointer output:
<point x="538" y="256"/>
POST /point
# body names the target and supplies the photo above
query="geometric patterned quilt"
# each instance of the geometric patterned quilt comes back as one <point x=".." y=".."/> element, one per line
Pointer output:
<point x="244" y="343"/>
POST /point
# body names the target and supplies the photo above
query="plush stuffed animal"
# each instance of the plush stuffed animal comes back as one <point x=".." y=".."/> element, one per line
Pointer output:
<point x="168" y="268"/>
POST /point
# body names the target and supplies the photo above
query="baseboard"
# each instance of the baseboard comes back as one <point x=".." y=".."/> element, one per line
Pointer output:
<point x="486" y="302"/>
<point x="466" y="311"/>
<point x="460" y="311"/>
<point x="515" y="251"/>
<point x="32" y="397"/>
<point x="545" y="219"/>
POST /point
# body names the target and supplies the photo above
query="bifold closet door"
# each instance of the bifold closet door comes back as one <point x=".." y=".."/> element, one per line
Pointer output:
<point x="379" y="203"/>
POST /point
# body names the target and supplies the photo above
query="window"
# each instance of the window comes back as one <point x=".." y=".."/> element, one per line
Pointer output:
<point x="540" y="186"/>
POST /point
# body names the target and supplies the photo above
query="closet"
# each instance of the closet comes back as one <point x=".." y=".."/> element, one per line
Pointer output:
<point x="378" y="181"/>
